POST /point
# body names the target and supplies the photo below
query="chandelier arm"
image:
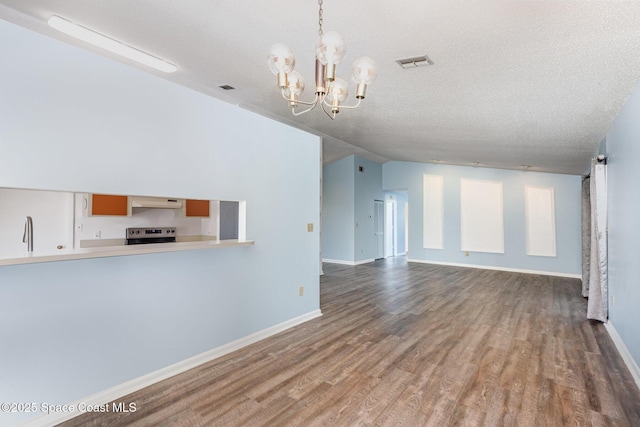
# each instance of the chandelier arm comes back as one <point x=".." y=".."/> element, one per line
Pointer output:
<point x="299" y="113"/>
<point x="315" y="100"/>
<point x="331" y="116"/>
<point x="348" y="107"/>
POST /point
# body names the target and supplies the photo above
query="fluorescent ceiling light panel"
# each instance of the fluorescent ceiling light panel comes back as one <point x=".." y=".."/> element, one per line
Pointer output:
<point x="113" y="46"/>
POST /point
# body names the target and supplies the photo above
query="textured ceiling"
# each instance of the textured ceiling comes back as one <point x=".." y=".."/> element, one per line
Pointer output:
<point x="515" y="83"/>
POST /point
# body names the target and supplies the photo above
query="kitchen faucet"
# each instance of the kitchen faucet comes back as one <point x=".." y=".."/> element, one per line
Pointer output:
<point x="27" y="237"/>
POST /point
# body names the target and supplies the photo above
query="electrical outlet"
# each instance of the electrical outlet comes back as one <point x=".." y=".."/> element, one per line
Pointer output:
<point x="301" y="290"/>
<point x="613" y="301"/>
<point x="310" y="227"/>
<point x="466" y="253"/>
<point x="98" y="234"/>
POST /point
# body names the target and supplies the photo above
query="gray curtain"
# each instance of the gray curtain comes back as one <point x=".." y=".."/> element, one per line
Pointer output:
<point x="597" y="306"/>
<point x="586" y="235"/>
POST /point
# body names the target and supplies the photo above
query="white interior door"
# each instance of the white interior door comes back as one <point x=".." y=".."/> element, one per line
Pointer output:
<point x="406" y="228"/>
<point x="390" y="232"/>
<point x="378" y="227"/>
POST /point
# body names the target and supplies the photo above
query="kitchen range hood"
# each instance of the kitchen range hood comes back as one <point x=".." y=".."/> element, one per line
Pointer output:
<point x="155" y="202"/>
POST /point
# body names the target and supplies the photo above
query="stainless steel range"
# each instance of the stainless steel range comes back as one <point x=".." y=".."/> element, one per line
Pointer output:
<point x="141" y="236"/>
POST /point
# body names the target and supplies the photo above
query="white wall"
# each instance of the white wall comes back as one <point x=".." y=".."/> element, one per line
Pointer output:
<point x="52" y="217"/>
<point x="69" y="120"/>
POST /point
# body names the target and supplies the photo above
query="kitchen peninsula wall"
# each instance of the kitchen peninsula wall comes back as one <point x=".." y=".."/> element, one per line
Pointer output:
<point x="70" y="120"/>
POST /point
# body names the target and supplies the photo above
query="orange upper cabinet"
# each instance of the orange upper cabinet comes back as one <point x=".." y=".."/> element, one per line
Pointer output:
<point x="104" y="204"/>
<point x="197" y="208"/>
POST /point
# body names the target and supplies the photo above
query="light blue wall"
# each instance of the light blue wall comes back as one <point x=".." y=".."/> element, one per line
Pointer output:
<point x="71" y="120"/>
<point x="623" y="175"/>
<point x="347" y="209"/>
<point x="368" y="187"/>
<point x="338" y="189"/>
<point x="567" y="198"/>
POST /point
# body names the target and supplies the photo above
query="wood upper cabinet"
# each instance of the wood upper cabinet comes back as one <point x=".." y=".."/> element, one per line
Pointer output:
<point x="104" y="204"/>
<point x="197" y="208"/>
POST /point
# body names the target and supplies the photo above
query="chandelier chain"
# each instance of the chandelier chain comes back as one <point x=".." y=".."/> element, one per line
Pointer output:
<point x="320" y="18"/>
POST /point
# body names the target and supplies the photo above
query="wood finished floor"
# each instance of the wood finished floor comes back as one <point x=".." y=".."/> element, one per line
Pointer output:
<point x="411" y="345"/>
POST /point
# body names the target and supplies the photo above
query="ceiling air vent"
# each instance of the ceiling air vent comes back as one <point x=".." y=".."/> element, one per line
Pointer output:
<point x="415" y="62"/>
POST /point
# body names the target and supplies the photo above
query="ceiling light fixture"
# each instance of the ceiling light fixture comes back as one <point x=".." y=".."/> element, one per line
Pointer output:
<point x="107" y="43"/>
<point x="331" y="91"/>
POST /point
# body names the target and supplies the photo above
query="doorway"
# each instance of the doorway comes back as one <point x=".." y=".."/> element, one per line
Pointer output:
<point x="396" y="232"/>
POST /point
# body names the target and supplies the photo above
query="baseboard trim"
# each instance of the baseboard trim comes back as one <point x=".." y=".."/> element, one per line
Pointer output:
<point x="339" y="261"/>
<point x="151" y="378"/>
<point x="491" y="267"/>
<point x="624" y="352"/>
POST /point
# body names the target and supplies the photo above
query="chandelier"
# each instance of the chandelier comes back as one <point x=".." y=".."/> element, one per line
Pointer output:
<point x="331" y="91"/>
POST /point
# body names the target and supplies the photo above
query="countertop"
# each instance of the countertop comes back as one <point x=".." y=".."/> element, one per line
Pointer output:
<point x="118" y="250"/>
